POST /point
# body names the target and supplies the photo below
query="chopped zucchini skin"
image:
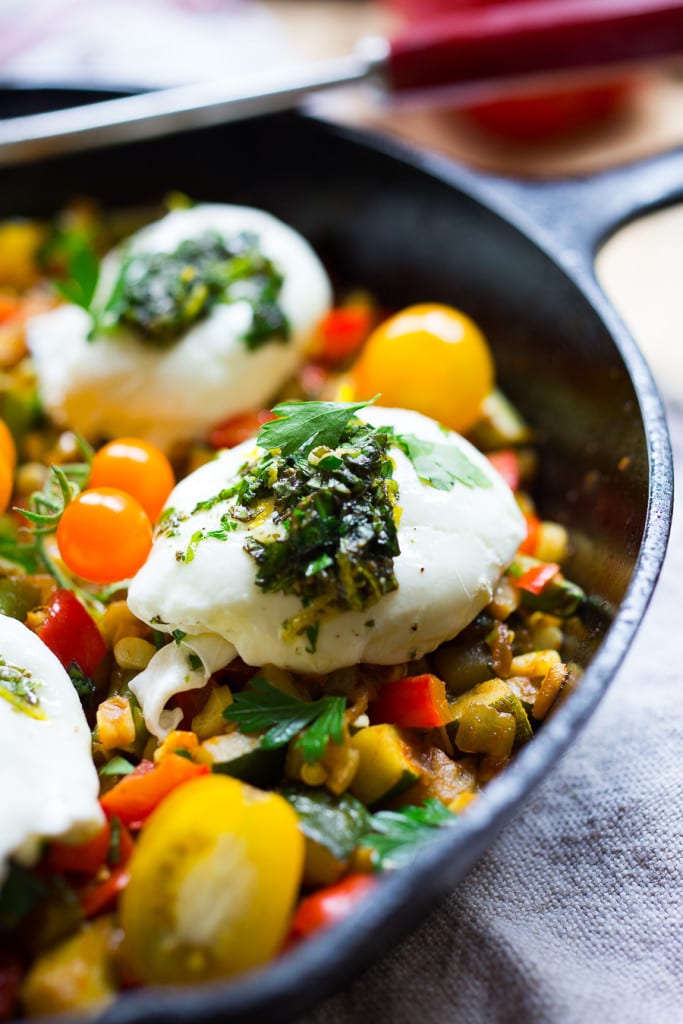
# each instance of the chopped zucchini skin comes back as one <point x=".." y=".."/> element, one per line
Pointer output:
<point x="387" y="765"/>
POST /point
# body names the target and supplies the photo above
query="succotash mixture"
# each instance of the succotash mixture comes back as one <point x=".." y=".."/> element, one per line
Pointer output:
<point x="269" y="623"/>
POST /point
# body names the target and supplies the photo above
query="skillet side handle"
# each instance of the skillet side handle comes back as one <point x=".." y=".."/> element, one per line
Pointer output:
<point x="575" y="216"/>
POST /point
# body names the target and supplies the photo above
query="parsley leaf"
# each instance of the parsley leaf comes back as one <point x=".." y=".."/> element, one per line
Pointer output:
<point x="265" y="707"/>
<point x="438" y="464"/>
<point x="302" y="426"/>
<point x="72" y="251"/>
<point x="397" y="836"/>
<point x="117" y="766"/>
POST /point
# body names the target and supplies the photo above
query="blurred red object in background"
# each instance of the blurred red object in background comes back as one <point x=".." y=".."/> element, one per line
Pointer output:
<point x="544" y="113"/>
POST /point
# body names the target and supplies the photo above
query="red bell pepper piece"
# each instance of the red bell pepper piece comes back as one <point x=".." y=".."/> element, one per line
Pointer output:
<point x="343" y="331"/>
<point x="328" y="906"/>
<point x="506" y="461"/>
<point x="83" y="858"/>
<point x="537" y="577"/>
<point x="414" y="702"/>
<point x="239" y="428"/>
<point x="135" y="796"/>
<point x="530" y="542"/>
<point x="70" y="633"/>
<point x="99" y="896"/>
<point x="88" y="858"/>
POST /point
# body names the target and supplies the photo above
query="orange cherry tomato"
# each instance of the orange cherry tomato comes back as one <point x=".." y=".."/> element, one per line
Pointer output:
<point x="136" y="467"/>
<point x="8" y="449"/>
<point x="104" y="535"/>
<point x="431" y="358"/>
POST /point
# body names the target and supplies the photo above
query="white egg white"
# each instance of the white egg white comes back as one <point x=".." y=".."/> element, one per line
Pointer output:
<point x="115" y="384"/>
<point x="454" y="545"/>
<point x="48" y="781"/>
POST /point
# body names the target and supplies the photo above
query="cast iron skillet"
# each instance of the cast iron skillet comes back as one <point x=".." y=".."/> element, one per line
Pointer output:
<point x="413" y="227"/>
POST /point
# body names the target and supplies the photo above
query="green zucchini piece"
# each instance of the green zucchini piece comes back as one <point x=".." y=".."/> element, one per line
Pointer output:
<point x="387" y="766"/>
<point x="496" y="694"/>
<point x="17" y="597"/>
<point x="256" y="765"/>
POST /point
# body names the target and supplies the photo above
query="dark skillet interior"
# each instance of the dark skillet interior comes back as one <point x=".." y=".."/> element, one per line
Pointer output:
<point x="403" y="232"/>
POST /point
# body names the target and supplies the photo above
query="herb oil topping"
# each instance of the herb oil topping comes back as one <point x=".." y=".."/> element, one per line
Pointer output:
<point x="20" y="689"/>
<point x="162" y="294"/>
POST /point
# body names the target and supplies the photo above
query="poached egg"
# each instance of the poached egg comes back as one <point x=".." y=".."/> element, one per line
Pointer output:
<point x="49" y="783"/>
<point x="117" y="384"/>
<point x="454" y="545"/>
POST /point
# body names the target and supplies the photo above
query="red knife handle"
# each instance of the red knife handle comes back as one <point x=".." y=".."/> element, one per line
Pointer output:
<point x="513" y="40"/>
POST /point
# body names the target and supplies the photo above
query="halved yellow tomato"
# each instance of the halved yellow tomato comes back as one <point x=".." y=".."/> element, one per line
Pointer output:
<point x="213" y="882"/>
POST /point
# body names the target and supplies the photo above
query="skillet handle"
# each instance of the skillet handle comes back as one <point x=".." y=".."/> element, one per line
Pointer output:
<point x="501" y="42"/>
<point x="575" y="216"/>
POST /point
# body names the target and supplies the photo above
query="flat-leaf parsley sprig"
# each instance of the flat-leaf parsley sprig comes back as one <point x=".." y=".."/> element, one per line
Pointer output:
<point x="263" y="706"/>
<point x="396" y="837"/>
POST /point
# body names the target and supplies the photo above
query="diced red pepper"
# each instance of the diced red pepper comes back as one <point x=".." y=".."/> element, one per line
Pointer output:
<point x="70" y="633"/>
<point x="99" y="896"/>
<point x="328" y="906"/>
<point x="343" y="331"/>
<point x="506" y="461"/>
<point x="83" y="858"/>
<point x="10" y="980"/>
<point x="537" y="577"/>
<point x="88" y="858"/>
<point x="530" y="542"/>
<point x="414" y="702"/>
<point x="135" y="796"/>
<point x="239" y="428"/>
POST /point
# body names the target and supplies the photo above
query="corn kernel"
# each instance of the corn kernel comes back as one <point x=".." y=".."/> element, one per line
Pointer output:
<point x="115" y="725"/>
<point x="132" y="652"/>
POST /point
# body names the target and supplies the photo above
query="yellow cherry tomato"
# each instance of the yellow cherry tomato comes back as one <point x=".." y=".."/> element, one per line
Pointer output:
<point x="431" y="358"/>
<point x="213" y="882"/>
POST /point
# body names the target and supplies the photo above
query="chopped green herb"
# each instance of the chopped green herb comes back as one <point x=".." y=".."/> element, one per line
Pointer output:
<point x="178" y="635"/>
<point x="263" y="706"/>
<point x="303" y="426"/>
<point x="396" y="837"/>
<point x="20" y="689"/>
<point x="335" y="822"/>
<point x="195" y="661"/>
<point x="83" y="685"/>
<point x="162" y="294"/>
<point x="182" y="752"/>
<point x="72" y="253"/>
<point x="312" y="636"/>
<point x="438" y="464"/>
<point x="19" y="894"/>
<point x="117" y="766"/>
<point x="114" y="851"/>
